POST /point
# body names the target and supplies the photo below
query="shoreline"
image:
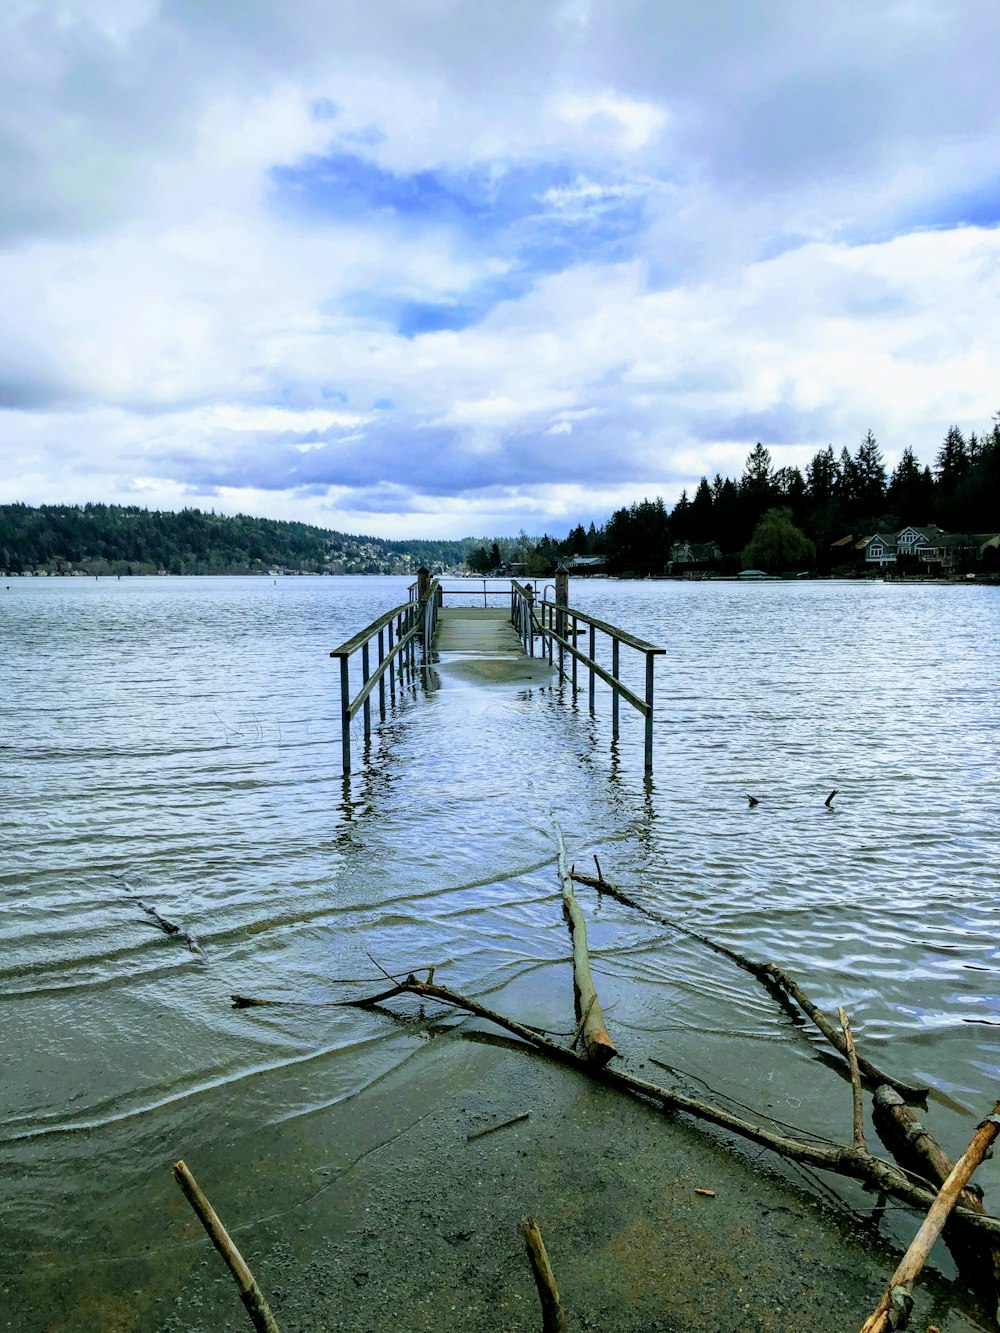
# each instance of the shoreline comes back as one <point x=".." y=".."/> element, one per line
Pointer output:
<point x="379" y="1213"/>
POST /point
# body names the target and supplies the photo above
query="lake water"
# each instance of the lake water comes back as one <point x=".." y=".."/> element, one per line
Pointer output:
<point x="178" y="740"/>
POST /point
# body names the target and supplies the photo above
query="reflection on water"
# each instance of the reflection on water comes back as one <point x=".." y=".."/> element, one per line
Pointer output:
<point x="178" y="739"/>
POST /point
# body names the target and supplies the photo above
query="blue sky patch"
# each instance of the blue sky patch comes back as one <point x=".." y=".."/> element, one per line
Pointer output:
<point x="543" y="218"/>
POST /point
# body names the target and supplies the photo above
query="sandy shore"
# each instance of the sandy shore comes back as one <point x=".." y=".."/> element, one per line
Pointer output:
<point x="378" y="1213"/>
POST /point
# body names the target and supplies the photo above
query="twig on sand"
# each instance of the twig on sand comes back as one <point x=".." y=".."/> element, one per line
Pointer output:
<point x="250" y="1293"/>
<point x="554" y="1318"/>
<point x="492" y="1129"/>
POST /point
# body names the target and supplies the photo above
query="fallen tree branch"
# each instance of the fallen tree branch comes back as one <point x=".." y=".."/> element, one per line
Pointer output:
<point x="892" y="1311"/>
<point x="913" y="1145"/>
<point x="170" y="927"/>
<point x="857" y="1104"/>
<point x="250" y="1293"/>
<point x="554" y="1318"/>
<point x="772" y="976"/>
<point x="599" y="1046"/>
<point x="846" y="1161"/>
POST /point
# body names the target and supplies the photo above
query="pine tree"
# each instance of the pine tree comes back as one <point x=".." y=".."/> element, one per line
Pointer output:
<point x="869" y="478"/>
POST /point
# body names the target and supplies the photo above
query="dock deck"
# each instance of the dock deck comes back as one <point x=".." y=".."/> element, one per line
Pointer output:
<point x="482" y="631"/>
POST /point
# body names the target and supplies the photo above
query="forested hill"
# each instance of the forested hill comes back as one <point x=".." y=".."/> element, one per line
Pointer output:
<point x="116" y="539"/>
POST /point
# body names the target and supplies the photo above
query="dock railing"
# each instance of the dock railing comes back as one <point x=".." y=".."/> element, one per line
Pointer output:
<point x="558" y="627"/>
<point x="395" y="636"/>
<point x="480" y="590"/>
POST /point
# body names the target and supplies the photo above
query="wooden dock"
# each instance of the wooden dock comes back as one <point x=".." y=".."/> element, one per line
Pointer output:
<point x="527" y="638"/>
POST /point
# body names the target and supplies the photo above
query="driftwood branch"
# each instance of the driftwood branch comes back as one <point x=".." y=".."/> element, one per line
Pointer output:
<point x="914" y="1146"/>
<point x="250" y="1293"/>
<point x="599" y="1046"/>
<point x="775" y="979"/>
<point x="893" y="1309"/>
<point x="880" y="1174"/>
<point x="554" y="1318"/>
<point x="857" y="1105"/>
<point x="171" y="928"/>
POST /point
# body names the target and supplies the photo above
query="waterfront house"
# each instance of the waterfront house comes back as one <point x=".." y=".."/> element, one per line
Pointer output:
<point x="928" y="548"/>
<point x="695" y="553"/>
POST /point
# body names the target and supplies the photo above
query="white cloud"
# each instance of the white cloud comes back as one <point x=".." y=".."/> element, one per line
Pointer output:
<point x="753" y="222"/>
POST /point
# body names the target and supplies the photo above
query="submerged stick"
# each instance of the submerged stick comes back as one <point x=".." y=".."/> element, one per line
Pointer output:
<point x="554" y="1318"/>
<point x="250" y="1293"/>
<point x="894" y="1308"/>
<point x="171" y="928"/>
<point x="492" y="1129"/>
<point x="772" y="976"/>
<point x="600" y="1048"/>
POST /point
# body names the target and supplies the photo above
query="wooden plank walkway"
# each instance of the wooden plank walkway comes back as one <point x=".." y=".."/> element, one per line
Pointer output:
<point x="477" y="630"/>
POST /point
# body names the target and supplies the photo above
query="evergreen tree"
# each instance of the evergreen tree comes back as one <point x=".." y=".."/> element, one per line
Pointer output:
<point x="952" y="461"/>
<point x="910" y="491"/>
<point x="680" y="518"/>
<point x="758" y="475"/>
<point x="869" y="478"/>
<point x="701" y="519"/>
<point x="822" y="477"/>
<point x="846" y="490"/>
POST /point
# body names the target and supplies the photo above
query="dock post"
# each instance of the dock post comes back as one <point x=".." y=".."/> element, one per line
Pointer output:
<point x="650" y="663"/>
<point x="573" y="655"/>
<point x="392" y="668"/>
<point x="562" y="600"/>
<point x="345" y="713"/>
<point x="614" y="692"/>
<point x="529" y="616"/>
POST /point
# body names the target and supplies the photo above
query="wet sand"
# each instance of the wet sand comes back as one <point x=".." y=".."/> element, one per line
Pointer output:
<point x="378" y="1213"/>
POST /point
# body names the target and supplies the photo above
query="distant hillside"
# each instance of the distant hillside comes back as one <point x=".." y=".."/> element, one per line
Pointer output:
<point x="116" y="539"/>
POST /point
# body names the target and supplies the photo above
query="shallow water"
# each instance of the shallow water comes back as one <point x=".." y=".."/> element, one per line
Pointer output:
<point x="177" y="740"/>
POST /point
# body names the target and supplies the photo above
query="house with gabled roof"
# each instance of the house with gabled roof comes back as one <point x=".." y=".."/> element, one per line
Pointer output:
<point x="935" y="549"/>
<point x="880" y="549"/>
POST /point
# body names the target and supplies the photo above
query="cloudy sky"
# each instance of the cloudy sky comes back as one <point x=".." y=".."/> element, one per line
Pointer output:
<point x="437" y="267"/>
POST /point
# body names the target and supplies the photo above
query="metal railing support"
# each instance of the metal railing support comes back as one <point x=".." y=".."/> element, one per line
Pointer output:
<point x="592" y="649"/>
<point x="650" y="661"/>
<point x="345" y="712"/>
<point x="365" y="675"/>
<point x="381" y="676"/>
<point x="614" y="694"/>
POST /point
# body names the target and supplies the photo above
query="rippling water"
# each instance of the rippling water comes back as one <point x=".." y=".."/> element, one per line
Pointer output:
<point x="177" y="740"/>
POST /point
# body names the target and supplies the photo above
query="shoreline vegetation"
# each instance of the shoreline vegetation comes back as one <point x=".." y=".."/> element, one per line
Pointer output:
<point x="776" y="520"/>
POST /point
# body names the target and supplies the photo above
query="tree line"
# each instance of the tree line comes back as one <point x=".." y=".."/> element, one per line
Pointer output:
<point x="771" y="518"/>
<point x="784" y="518"/>
<point x="126" y="539"/>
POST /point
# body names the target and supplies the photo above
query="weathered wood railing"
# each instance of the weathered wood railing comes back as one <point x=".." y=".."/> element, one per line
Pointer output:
<point x="558" y="625"/>
<point x="477" y="589"/>
<point x="395" y="636"/>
